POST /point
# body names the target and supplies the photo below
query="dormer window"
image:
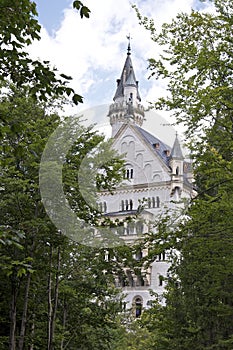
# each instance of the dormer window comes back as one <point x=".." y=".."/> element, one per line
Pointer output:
<point x="156" y="145"/>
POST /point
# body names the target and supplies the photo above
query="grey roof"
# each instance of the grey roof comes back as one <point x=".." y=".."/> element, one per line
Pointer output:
<point x="176" y="150"/>
<point x="127" y="78"/>
<point x="158" y="146"/>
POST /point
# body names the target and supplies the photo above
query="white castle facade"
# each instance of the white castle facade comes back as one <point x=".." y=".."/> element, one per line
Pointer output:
<point x="156" y="175"/>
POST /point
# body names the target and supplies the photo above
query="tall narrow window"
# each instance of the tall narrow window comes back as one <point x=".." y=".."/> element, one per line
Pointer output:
<point x="149" y="202"/>
<point x="139" y="255"/>
<point x="131" y="204"/>
<point x="153" y="202"/>
<point x="126" y="205"/>
<point x="138" y="307"/>
<point x="131" y="173"/>
<point x="158" y="202"/>
<point x="122" y="206"/>
<point x="160" y="280"/>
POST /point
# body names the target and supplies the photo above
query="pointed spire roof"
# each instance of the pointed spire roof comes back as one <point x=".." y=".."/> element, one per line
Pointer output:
<point x="127" y="77"/>
<point x="176" y="149"/>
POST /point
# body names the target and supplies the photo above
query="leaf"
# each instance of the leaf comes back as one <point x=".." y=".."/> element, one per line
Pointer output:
<point x="77" y="99"/>
<point x="67" y="77"/>
<point x="77" y="4"/>
<point x="85" y="12"/>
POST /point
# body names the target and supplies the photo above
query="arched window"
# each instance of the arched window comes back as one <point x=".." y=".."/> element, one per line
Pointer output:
<point x="131" y="173"/>
<point x="126" y="205"/>
<point x="177" y="170"/>
<point x="139" y="255"/>
<point x="122" y="205"/>
<point x="138" y="302"/>
<point x="158" y="202"/>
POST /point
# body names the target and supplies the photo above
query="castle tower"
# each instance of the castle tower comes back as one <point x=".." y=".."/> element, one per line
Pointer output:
<point x="126" y="107"/>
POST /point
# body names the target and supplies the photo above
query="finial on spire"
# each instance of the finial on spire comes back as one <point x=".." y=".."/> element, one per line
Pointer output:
<point x="129" y="47"/>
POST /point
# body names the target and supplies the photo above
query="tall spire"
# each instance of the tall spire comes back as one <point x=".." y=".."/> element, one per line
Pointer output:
<point x="127" y="78"/>
<point x="129" y="47"/>
<point x="126" y="107"/>
<point x="176" y="149"/>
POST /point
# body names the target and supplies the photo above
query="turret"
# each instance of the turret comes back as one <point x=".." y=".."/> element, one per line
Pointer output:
<point x="126" y="107"/>
<point x="176" y="164"/>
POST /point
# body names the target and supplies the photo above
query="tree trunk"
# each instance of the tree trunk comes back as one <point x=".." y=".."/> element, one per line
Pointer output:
<point x="13" y="313"/>
<point x="63" y="325"/>
<point x="53" y="307"/>
<point x="24" y="315"/>
<point x="32" y="333"/>
<point x="50" y="298"/>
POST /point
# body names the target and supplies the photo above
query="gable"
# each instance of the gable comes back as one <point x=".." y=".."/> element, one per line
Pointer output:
<point x="146" y="160"/>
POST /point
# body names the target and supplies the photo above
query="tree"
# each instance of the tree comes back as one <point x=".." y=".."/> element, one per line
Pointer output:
<point x="18" y="28"/>
<point x="197" y="62"/>
<point x="50" y="282"/>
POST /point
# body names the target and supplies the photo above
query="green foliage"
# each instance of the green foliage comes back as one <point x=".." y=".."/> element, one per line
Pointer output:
<point x="19" y="27"/>
<point x="84" y="10"/>
<point x="197" y="64"/>
<point x="38" y="265"/>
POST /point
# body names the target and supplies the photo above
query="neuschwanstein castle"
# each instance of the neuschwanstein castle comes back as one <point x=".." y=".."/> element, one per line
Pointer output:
<point x="156" y="175"/>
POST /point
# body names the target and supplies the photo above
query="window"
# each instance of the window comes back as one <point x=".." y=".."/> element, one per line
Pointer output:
<point x="149" y="202"/>
<point x="138" y="306"/>
<point x="138" y="255"/>
<point x="102" y="207"/>
<point x="153" y="202"/>
<point x="128" y="174"/>
<point x="126" y="205"/>
<point x="162" y="256"/>
<point x="139" y="227"/>
<point x="140" y="281"/>
<point x="130" y="204"/>
<point x="130" y="278"/>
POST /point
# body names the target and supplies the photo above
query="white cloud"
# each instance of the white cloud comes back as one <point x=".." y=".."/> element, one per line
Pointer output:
<point x="93" y="50"/>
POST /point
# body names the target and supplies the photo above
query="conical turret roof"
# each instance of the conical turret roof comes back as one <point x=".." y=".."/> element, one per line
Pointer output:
<point x="127" y="78"/>
<point x="176" y="149"/>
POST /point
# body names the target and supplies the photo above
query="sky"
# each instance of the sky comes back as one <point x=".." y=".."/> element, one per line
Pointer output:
<point x="93" y="51"/>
